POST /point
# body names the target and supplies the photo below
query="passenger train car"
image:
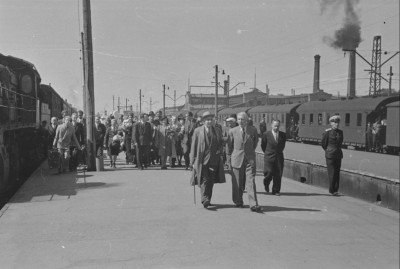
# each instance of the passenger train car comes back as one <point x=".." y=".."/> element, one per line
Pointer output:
<point x="307" y="121"/>
<point x="23" y="105"/>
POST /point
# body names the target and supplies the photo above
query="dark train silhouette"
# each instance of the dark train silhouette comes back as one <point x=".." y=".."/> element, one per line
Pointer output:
<point x="24" y="104"/>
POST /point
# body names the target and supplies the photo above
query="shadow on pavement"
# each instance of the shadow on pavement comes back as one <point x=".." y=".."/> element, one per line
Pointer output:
<point x="281" y="208"/>
<point x="44" y="187"/>
<point x="297" y="194"/>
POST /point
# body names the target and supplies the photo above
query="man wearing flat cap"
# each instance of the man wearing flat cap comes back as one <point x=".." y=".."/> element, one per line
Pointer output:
<point x="142" y="140"/>
<point x="205" y="158"/>
<point x="332" y="140"/>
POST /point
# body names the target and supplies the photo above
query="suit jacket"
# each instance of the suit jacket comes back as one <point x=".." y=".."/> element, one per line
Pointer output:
<point x="99" y="133"/>
<point x="142" y="133"/>
<point x="239" y="148"/>
<point x="65" y="137"/>
<point x="273" y="150"/>
<point x="332" y="141"/>
<point x="199" y="143"/>
<point x="188" y="130"/>
<point x="52" y="133"/>
<point x="79" y="133"/>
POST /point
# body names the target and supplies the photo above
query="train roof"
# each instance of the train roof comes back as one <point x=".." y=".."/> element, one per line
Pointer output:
<point x="230" y="110"/>
<point x="358" y="104"/>
<point x="394" y="104"/>
<point x="285" y="108"/>
<point x="17" y="63"/>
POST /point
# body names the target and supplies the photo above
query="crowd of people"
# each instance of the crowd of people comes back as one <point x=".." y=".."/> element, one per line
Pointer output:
<point x="202" y="145"/>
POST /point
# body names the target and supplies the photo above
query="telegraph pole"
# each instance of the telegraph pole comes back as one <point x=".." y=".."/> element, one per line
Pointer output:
<point x="216" y="91"/>
<point x="84" y="74"/>
<point x="163" y="100"/>
<point x="390" y="81"/>
<point x="126" y="104"/>
<point x="113" y="103"/>
<point x="89" y="85"/>
<point x="174" y="100"/>
<point x="150" y="103"/>
<point x="140" y="101"/>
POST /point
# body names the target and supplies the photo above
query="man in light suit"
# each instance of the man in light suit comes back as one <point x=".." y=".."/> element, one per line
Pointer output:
<point x="242" y="143"/>
<point x="272" y="144"/>
<point x="205" y="158"/>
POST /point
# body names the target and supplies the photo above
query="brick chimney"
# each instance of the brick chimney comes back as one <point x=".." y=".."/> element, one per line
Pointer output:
<point x="316" y="74"/>
<point x="351" y="81"/>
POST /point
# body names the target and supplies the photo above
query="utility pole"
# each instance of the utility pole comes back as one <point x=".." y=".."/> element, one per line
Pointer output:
<point x="163" y="100"/>
<point x="140" y="101"/>
<point x="216" y="91"/>
<point x="126" y="104"/>
<point x="267" y="92"/>
<point x="84" y="74"/>
<point x="113" y="103"/>
<point x="390" y="81"/>
<point x="89" y="86"/>
<point x="174" y="100"/>
<point x="150" y="103"/>
<point x="118" y="104"/>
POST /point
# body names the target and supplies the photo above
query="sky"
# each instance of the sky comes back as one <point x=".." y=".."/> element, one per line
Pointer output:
<point x="145" y="44"/>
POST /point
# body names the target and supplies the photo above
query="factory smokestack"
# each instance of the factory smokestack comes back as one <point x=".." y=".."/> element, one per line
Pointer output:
<point x="316" y="74"/>
<point x="351" y="81"/>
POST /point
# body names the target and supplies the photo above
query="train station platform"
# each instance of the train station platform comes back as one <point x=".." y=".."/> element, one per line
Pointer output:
<point x="126" y="218"/>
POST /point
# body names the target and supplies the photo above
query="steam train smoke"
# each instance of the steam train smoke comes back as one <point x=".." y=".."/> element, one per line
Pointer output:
<point x="349" y="36"/>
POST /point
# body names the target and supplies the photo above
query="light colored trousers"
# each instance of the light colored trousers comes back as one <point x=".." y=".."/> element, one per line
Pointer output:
<point x="244" y="175"/>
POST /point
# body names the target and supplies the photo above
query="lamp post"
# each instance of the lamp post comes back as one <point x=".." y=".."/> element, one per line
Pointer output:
<point x="216" y="91"/>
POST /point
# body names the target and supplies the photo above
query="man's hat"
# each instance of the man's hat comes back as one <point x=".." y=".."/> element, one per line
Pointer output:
<point x="207" y="114"/>
<point x="231" y="118"/>
<point x="143" y="114"/>
<point x="189" y="113"/>
<point x="335" y="118"/>
<point x="151" y="113"/>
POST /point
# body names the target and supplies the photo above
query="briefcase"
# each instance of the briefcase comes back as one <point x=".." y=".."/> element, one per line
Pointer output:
<point x="54" y="158"/>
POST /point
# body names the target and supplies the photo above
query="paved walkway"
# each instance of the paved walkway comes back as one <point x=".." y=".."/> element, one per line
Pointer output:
<point x="125" y="218"/>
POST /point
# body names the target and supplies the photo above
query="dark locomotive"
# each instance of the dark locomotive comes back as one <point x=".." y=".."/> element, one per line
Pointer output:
<point x="24" y="104"/>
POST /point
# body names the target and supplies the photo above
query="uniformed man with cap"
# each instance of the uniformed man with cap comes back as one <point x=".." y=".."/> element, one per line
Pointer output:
<point x="332" y="140"/>
<point x="142" y="140"/>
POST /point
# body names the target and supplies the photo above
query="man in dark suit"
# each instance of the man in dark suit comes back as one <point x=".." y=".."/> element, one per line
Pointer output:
<point x="141" y="140"/>
<point x="99" y="133"/>
<point x="186" y="143"/>
<point x="205" y="158"/>
<point x="242" y="143"/>
<point x="75" y="149"/>
<point x="332" y="140"/>
<point x="272" y="144"/>
<point x="52" y="131"/>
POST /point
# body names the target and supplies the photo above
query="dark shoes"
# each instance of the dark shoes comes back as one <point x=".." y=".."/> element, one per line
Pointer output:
<point x="335" y="194"/>
<point x="266" y="189"/>
<point x="239" y="206"/>
<point x="276" y="194"/>
<point x="256" y="209"/>
<point x="163" y="168"/>
<point x="206" y="204"/>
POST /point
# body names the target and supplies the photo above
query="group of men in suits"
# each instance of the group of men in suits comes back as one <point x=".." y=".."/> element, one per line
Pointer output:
<point x="242" y="140"/>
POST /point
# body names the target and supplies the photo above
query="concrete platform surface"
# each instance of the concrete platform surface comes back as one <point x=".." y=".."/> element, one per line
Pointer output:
<point x="379" y="165"/>
<point x="125" y="218"/>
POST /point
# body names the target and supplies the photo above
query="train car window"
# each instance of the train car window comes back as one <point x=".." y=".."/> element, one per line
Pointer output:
<point x="303" y="118"/>
<point x="359" y="119"/>
<point x="327" y="118"/>
<point x="311" y="119"/>
<point x="319" y="118"/>
<point x="347" y="119"/>
<point x="283" y="117"/>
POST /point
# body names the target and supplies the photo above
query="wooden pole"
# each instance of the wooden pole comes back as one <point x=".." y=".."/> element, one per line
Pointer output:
<point x="163" y="100"/>
<point x="216" y="91"/>
<point x="89" y="85"/>
<point x="84" y="74"/>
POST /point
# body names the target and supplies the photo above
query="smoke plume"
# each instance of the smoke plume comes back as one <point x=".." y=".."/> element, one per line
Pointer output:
<point x="349" y="36"/>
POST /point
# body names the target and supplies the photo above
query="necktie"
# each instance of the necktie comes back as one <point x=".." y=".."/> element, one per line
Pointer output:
<point x="243" y="133"/>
